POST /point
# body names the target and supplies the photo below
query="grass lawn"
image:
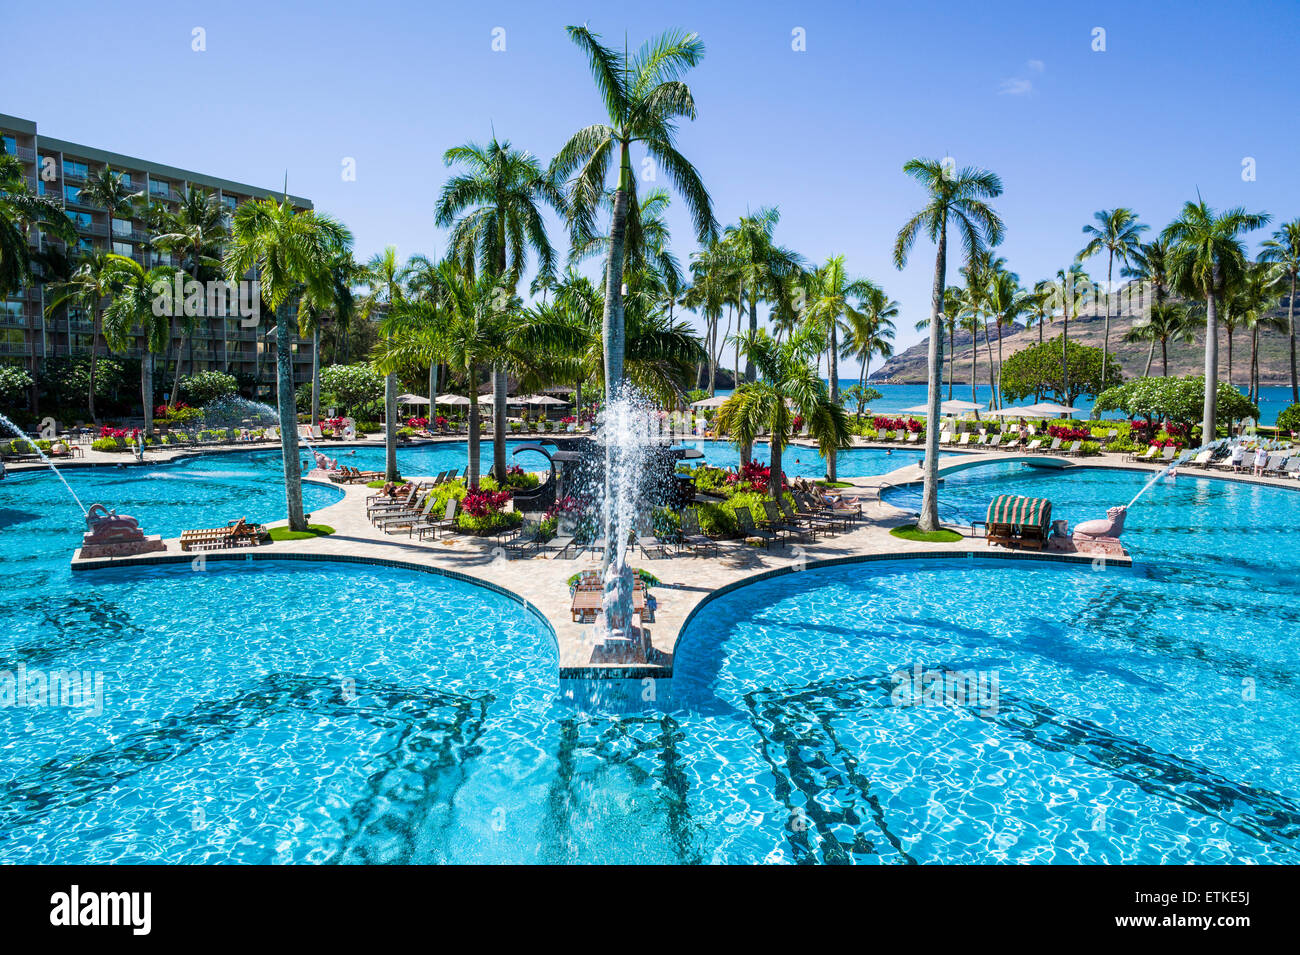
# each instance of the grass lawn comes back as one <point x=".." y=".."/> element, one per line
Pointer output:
<point x="824" y="483"/>
<point x="313" y="530"/>
<point x="909" y="532"/>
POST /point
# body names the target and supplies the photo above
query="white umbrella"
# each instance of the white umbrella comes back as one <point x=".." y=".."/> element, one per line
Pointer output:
<point x="411" y="400"/>
<point x="451" y="400"/>
<point x="543" y="400"/>
<point x="951" y="406"/>
<point x="1029" y="411"/>
<point x="716" y="402"/>
<point x="1053" y="410"/>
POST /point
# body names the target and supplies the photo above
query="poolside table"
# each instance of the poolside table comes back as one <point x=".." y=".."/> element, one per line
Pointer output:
<point x="590" y="601"/>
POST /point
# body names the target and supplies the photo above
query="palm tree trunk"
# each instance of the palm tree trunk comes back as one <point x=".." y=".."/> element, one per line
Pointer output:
<point x="952" y="355"/>
<point x="997" y="394"/>
<point x="1105" y="332"/>
<point x="753" y="328"/>
<point x="1290" y="321"/>
<point x="929" y="519"/>
<point x="180" y="357"/>
<point x="315" y="376"/>
<point x="1208" y="416"/>
<point x="1253" y="379"/>
<point x="288" y="421"/>
<point x="774" y="477"/>
<point x="1164" y="356"/>
<point x="713" y="356"/>
<point x="833" y="365"/>
<point x="500" y="385"/>
<point x="433" y="386"/>
<point x="974" y="358"/>
<point x="472" y="466"/>
<point x="1229" y="327"/>
<point x="390" y="427"/>
<point x="612" y="320"/>
<point x="988" y="347"/>
<point x="146" y="389"/>
<point x="1065" y="349"/>
<point x="1151" y="354"/>
<point x="94" y="360"/>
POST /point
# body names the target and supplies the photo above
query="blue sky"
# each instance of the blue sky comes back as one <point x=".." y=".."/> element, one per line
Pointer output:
<point x="1180" y="96"/>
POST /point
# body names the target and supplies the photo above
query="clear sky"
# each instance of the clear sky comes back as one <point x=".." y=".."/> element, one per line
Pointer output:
<point x="1181" y="95"/>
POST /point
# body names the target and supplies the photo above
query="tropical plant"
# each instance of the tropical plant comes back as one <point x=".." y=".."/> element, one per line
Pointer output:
<point x="334" y="302"/>
<point x="1117" y="233"/>
<point x="761" y="267"/>
<point x="494" y="205"/>
<point x="959" y="197"/>
<point x="871" y="330"/>
<point x="383" y="276"/>
<point x="1164" y="323"/>
<point x="787" y="385"/>
<point x="1177" y="401"/>
<point x="290" y="248"/>
<point x="1039" y="370"/>
<point x="1282" y="251"/>
<point x="92" y="285"/>
<point x="644" y="97"/>
<point x="19" y="210"/>
<point x="1206" y="253"/>
<point x="133" y="310"/>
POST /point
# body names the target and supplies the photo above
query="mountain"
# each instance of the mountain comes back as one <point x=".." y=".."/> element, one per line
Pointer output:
<point x="909" y="367"/>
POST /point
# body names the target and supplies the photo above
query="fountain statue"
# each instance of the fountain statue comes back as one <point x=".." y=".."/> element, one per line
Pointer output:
<point x="109" y="534"/>
<point x="1101" y="535"/>
<point x="324" y="463"/>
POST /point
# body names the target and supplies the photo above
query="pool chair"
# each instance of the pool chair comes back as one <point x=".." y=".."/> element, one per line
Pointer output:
<point x="945" y="438"/>
<point x="751" y="531"/>
<point x="777" y="521"/>
<point x="431" y="526"/>
<point x="409" y="501"/>
<point x="794" y="517"/>
<point x="403" y="519"/>
<point x="442" y="476"/>
<point x="825" y="513"/>
<point x="1146" y="455"/>
<point x="648" y="541"/>
<point x="1293" y="467"/>
<point x="1075" y="450"/>
<point x="693" y="536"/>
<point x="1054" y="447"/>
<point x="912" y="437"/>
<point x="529" y="540"/>
<point x="1202" y="460"/>
<point x="1167" y="455"/>
<point x="986" y="440"/>
<point x="1012" y="445"/>
<point x="1034" y="445"/>
<point x="564" y="543"/>
<point x="1275" y="464"/>
<point x="964" y="440"/>
<point x="805" y="510"/>
<point x="235" y="534"/>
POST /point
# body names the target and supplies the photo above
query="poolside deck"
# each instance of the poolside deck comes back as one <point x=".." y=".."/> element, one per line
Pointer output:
<point x="541" y="582"/>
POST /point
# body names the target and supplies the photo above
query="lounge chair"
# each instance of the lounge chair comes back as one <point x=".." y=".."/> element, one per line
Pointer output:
<point x="1075" y="450"/>
<point x="1167" y="455"/>
<point x="528" y="539"/>
<point x="1034" y="445"/>
<point x="1293" y="467"/>
<point x="945" y="438"/>
<point x="964" y="440"/>
<point x="1275" y="463"/>
<point x="648" y="541"/>
<point x="432" y="526"/>
<point x="564" y="539"/>
<point x="406" y="518"/>
<point x="777" y="521"/>
<point x="822" y="512"/>
<point x="234" y="534"/>
<point x="1146" y="455"/>
<point x="378" y="503"/>
<point x="1011" y="445"/>
<point x="1202" y="460"/>
<point x="692" y="535"/>
<point x="912" y="437"/>
<point x="749" y="530"/>
<point x="1055" y="446"/>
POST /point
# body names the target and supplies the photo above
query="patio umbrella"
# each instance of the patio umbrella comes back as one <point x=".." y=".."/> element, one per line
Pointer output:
<point x="1029" y="411"/>
<point x="543" y="400"/>
<point x="951" y="406"/>
<point x="451" y="400"/>
<point x="715" y="402"/>
<point x="411" y="400"/>
<point x="1053" y="410"/>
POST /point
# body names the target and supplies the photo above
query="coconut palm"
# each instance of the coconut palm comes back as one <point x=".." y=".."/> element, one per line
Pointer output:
<point x="1164" y="323"/>
<point x="1040" y="307"/>
<point x="382" y="275"/>
<point x="1253" y="301"/>
<point x="133" y="311"/>
<point x="1205" y="254"/>
<point x="1282" y="251"/>
<point x="871" y="330"/>
<point x="1117" y="233"/>
<point x="787" y="385"/>
<point x="1008" y="302"/>
<point x="493" y="202"/>
<point x="332" y="302"/>
<point x="710" y="281"/>
<point x="827" y="307"/>
<point x="762" y="266"/>
<point x="19" y="209"/>
<point x="957" y="197"/>
<point x="289" y="248"/>
<point x="644" y="97"/>
<point x="423" y="281"/>
<point x="92" y="284"/>
<point x="1073" y="291"/>
<point x="195" y="232"/>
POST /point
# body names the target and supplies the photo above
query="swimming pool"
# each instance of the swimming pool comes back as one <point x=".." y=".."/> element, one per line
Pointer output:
<point x="274" y="711"/>
<point x="804" y="462"/>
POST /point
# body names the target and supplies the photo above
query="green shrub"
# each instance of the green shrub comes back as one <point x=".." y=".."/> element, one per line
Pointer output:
<point x="489" y="523"/>
<point x="1289" y="419"/>
<point x="1090" y="447"/>
<point x="105" y="444"/>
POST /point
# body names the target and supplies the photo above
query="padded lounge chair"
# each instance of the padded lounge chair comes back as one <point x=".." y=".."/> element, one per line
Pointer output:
<point x="748" y="529"/>
<point x="693" y="536"/>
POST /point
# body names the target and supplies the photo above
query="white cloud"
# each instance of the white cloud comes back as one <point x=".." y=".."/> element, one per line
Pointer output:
<point x="1015" y="87"/>
<point x="1036" y="66"/>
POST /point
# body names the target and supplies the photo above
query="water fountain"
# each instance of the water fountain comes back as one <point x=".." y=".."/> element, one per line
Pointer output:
<point x="628" y="427"/>
<point x="48" y="463"/>
<point x="109" y="534"/>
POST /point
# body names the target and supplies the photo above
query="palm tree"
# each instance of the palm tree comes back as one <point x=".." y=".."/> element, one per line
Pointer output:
<point x="423" y="281"/>
<point x="107" y="190"/>
<point x="1253" y="301"/>
<point x="289" y="248"/>
<point x="132" y="311"/>
<point x="827" y="307"/>
<point x="318" y="304"/>
<point x="1007" y="302"/>
<point x="1206" y="253"/>
<point x="1073" y="288"/>
<point x="493" y="204"/>
<point x="383" y="275"/>
<point x="958" y="197"/>
<point x="788" y="384"/>
<point x="1040" y="307"/>
<point x="644" y="97"/>
<point x="195" y="231"/>
<point x="19" y="209"/>
<point x="1282" y="251"/>
<point x="1117" y="233"/>
<point x="872" y="331"/>
<point x="710" y="280"/>
<point x="762" y="266"/>
<point x="1166" y="322"/>
<point x="92" y="284"/>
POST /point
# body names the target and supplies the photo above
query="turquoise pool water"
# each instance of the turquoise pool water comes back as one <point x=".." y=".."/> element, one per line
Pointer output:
<point x="312" y="712"/>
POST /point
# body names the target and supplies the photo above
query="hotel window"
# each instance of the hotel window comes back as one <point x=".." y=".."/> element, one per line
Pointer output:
<point x="81" y="220"/>
<point x="122" y="227"/>
<point x="11" y="310"/>
<point x="10" y="145"/>
<point x="126" y="179"/>
<point x="157" y="188"/>
<point x="73" y="168"/>
<point x="122" y="248"/>
<point x="85" y="245"/>
<point x="72" y="194"/>
<point x="229" y="201"/>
